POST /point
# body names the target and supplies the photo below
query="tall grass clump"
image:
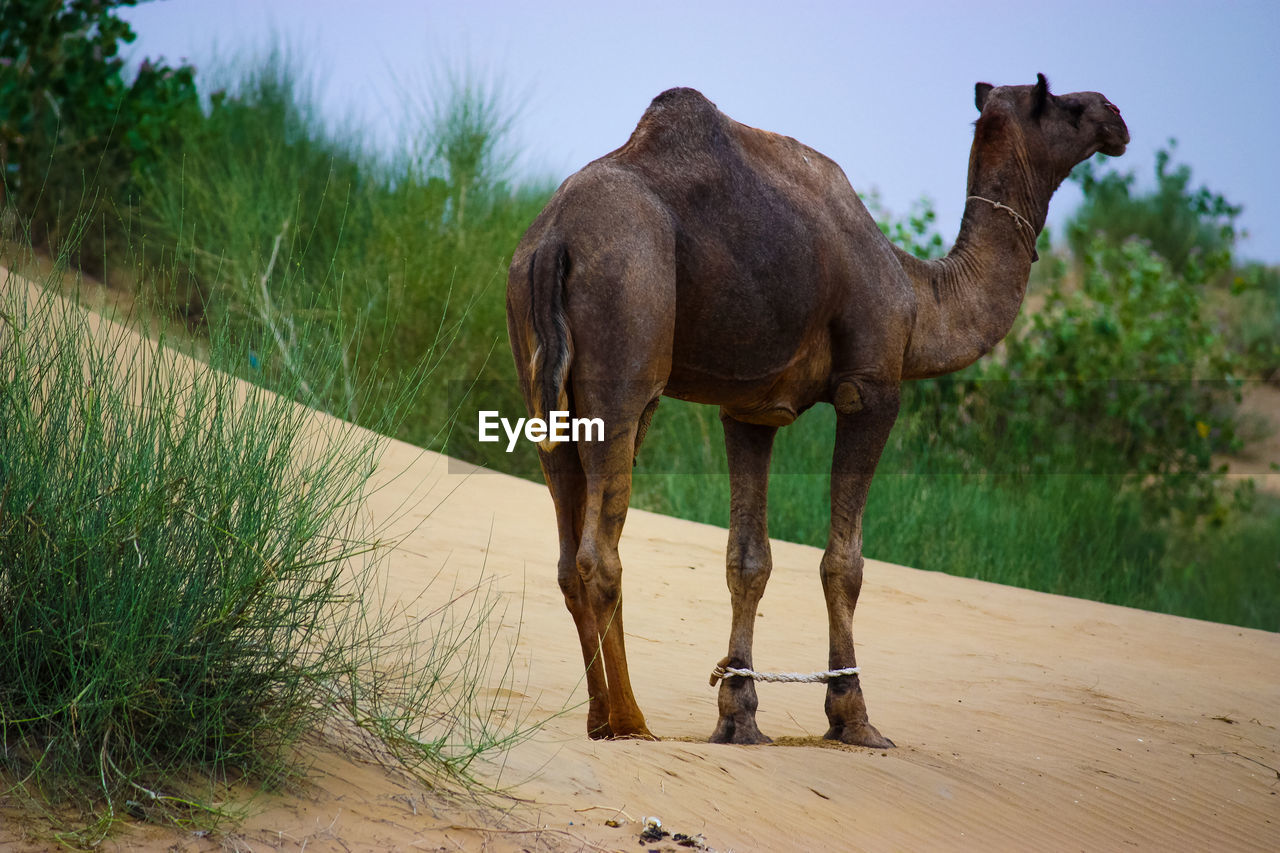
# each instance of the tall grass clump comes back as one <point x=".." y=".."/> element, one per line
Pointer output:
<point x="187" y="587"/>
<point x="280" y="217"/>
<point x="165" y="559"/>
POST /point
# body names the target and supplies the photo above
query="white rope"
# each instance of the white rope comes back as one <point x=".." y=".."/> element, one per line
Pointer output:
<point x="1017" y="216"/>
<point x="801" y="677"/>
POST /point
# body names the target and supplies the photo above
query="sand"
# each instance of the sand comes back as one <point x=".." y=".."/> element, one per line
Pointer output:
<point x="1023" y="720"/>
<point x="1259" y="459"/>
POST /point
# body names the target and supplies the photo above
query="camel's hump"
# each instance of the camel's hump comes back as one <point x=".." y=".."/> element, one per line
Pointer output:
<point x="677" y="118"/>
<point x="680" y="98"/>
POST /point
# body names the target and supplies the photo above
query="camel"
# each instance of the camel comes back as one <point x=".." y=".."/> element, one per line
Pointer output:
<point x="711" y="261"/>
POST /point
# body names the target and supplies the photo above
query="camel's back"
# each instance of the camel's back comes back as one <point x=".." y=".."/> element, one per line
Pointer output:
<point x="689" y="152"/>
<point x="768" y="242"/>
<point x="761" y="227"/>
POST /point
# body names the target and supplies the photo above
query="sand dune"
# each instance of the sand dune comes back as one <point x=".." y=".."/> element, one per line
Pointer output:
<point x="1024" y="720"/>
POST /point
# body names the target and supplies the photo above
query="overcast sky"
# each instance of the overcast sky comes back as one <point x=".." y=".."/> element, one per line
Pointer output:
<point x="886" y="90"/>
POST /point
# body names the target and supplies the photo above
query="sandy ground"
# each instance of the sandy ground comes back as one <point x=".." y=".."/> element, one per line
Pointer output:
<point x="1260" y="458"/>
<point x="1023" y="720"/>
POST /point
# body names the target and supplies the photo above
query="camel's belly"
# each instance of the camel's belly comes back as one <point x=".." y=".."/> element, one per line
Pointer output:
<point x="775" y="399"/>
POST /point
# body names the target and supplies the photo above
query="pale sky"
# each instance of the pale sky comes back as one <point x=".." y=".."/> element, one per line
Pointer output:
<point x="886" y="90"/>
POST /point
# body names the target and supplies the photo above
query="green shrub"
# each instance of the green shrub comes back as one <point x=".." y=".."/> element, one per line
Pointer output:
<point x="164" y="564"/>
<point x="1124" y="371"/>
<point x="1249" y="312"/>
<point x="1123" y="376"/>
<point x="74" y="135"/>
<point x="917" y="232"/>
<point x="1192" y="229"/>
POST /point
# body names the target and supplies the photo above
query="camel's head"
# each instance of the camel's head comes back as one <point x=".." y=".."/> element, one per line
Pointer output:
<point x="1067" y="128"/>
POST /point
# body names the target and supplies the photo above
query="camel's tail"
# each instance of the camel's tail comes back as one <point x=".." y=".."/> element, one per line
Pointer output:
<point x="552" y="344"/>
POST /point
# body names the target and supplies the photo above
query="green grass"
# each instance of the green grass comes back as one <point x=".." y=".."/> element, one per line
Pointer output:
<point x="1228" y="573"/>
<point x="187" y="588"/>
<point x="216" y="600"/>
<point x="1079" y="535"/>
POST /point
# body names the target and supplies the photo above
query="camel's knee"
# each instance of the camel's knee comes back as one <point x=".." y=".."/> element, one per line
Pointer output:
<point x="841" y="571"/>
<point x="601" y="573"/>
<point x="570" y="581"/>
<point x="749" y="563"/>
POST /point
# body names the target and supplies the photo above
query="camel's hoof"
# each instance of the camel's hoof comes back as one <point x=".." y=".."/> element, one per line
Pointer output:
<point x="630" y="730"/>
<point x="741" y="732"/>
<point x="600" y="732"/>
<point x="641" y="733"/>
<point x="859" y="734"/>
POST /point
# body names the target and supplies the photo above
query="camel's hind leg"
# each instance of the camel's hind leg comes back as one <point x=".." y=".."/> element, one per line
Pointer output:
<point x="620" y="385"/>
<point x="748" y="565"/>
<point x="620" y="311"/>
<point x="565" y="478"/>
<point x="607" y="465"/>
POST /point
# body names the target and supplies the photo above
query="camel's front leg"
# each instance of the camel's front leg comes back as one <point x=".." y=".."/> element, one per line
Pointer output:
<point x="748" y="566"/>
<point x="860" y="438"/>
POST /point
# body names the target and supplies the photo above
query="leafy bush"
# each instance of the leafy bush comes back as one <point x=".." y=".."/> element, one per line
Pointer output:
<point x="1124" y="370"/>
<point x="74" y="135"/>
<point x="1249" y="311"/>
<point x="1192" y="229"/>
<point x="917" y="232"/>
<point x="1123" y="376"/>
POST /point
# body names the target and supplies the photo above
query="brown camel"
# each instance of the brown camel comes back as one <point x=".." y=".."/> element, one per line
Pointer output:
<point x="714" y="262"/>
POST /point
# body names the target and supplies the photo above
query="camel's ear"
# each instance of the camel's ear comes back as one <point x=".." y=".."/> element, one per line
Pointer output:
<point x="980" y="92"/>
<point x="1039" y="96"/>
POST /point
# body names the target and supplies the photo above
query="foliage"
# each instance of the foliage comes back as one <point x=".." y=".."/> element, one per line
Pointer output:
<point x="1261" y="327"/>
<point x="73" y="134"/>
<point x="917" y="232"/>
<point x="1249" y="309"/>
<point x="1122" y="371"/>
<point x="1124" y="375"/>
<point x="468" y="124"/>
<point x="1192" y="229"/>
<point x="253" y="210"/>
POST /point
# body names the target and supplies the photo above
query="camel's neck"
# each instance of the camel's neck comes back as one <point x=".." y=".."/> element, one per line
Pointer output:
<point x="967" y="301"/>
